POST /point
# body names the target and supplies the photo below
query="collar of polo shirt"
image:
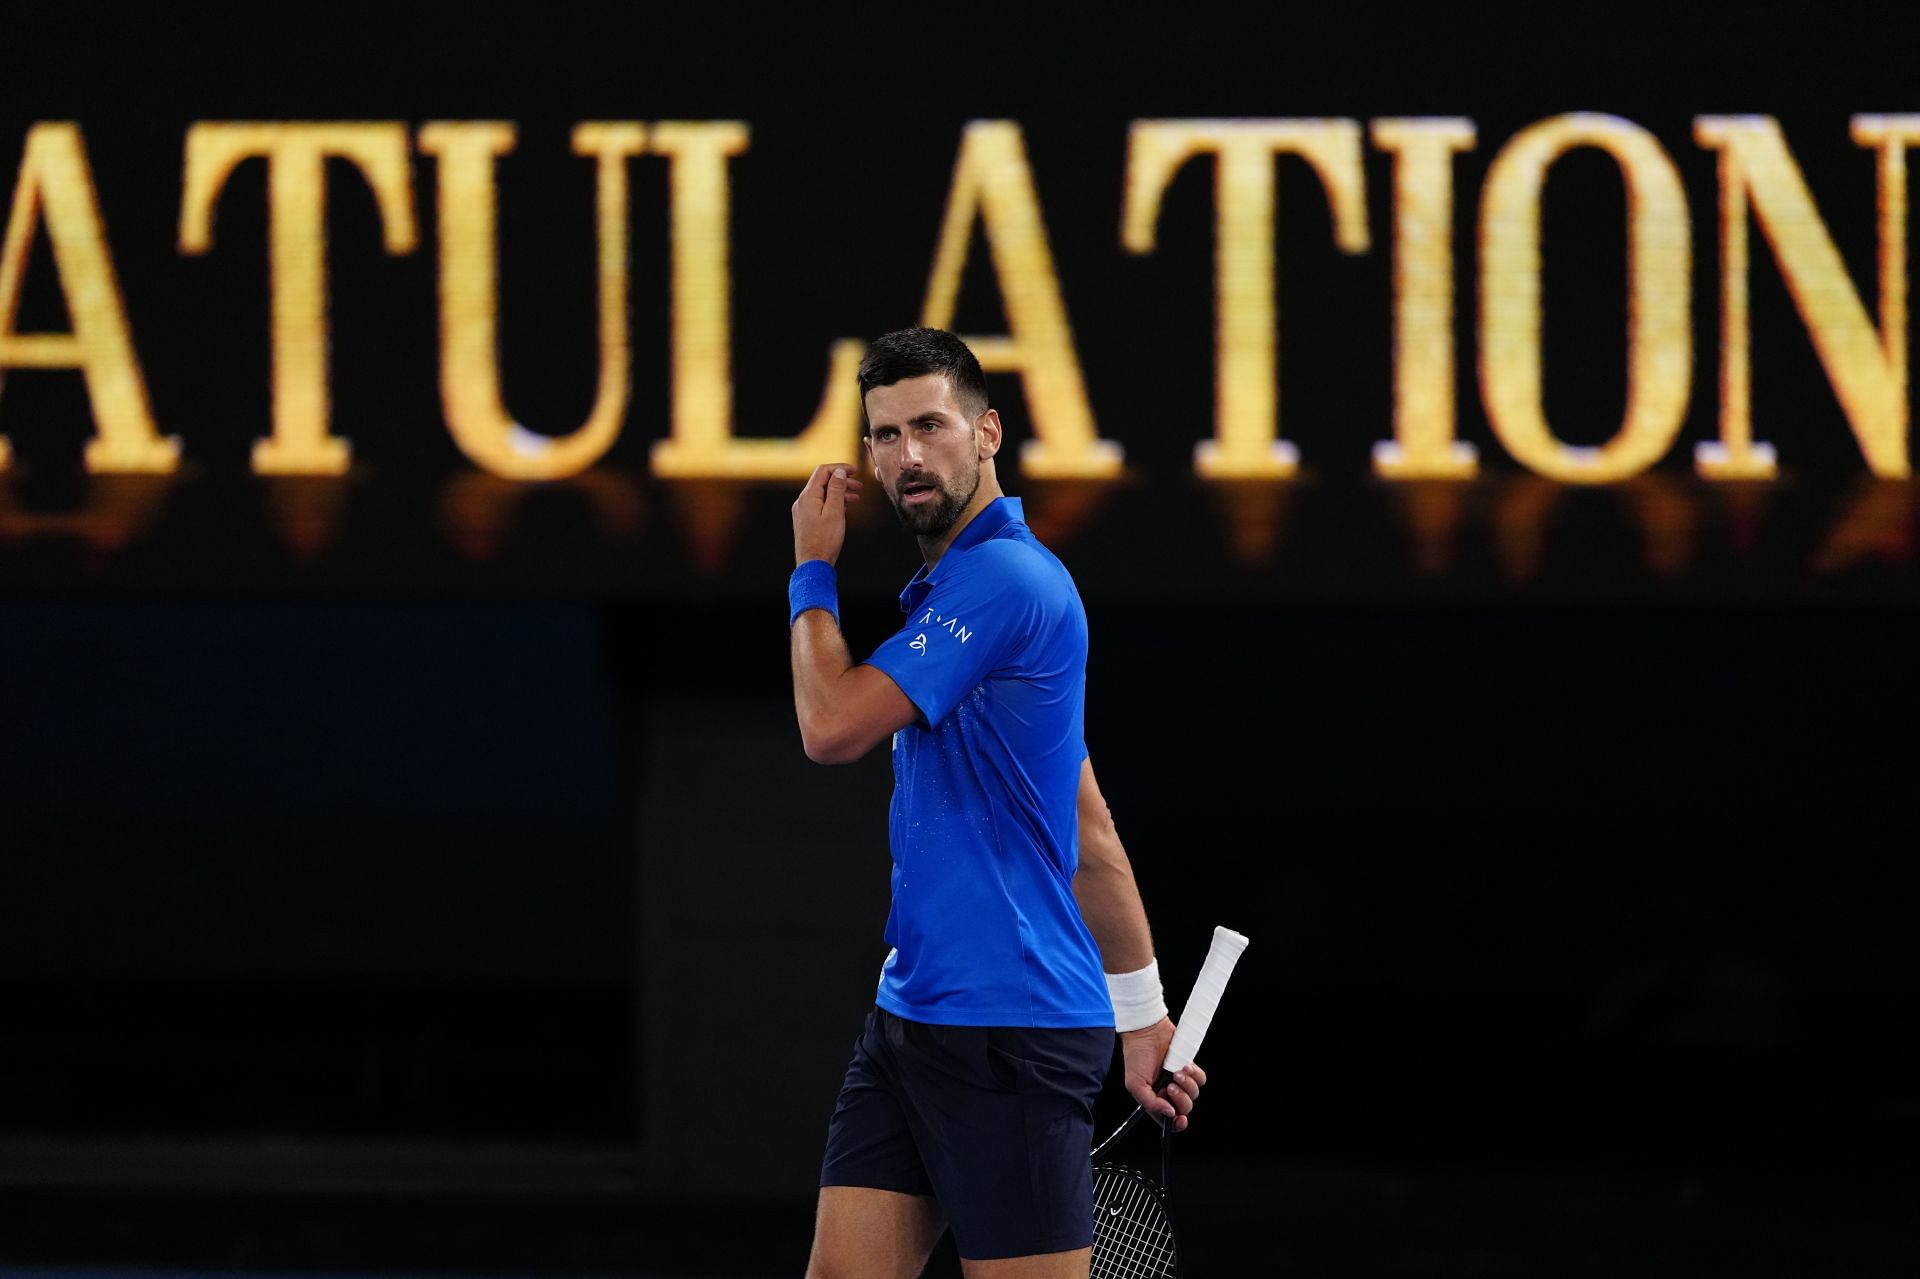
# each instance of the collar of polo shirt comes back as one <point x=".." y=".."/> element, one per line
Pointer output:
<point x="993" y="517"/>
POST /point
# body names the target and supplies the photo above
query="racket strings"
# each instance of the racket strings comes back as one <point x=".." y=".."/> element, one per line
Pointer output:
<point x="1132" y="1234"/>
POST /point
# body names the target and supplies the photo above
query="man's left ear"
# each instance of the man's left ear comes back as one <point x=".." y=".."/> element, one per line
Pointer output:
<point x="989" y="434"/>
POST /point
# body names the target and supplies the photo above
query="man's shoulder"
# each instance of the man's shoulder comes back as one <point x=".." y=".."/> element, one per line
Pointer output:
<point x="1015" y="561"/>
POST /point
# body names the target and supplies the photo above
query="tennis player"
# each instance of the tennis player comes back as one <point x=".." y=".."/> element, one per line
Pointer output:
<point x="1020" y="945"/>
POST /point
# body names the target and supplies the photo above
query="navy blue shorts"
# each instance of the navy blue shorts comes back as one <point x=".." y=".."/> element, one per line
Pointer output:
<point x="994" y="1122"/>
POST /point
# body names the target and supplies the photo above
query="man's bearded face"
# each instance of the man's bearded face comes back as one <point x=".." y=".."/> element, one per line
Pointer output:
<point x="926" y="452"/>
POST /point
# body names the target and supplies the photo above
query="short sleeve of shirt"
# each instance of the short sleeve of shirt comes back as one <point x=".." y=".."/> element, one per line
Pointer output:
<point x="975" y="620"/>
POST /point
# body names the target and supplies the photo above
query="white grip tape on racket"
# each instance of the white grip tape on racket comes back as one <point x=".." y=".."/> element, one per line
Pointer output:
<point x="1222" y="955"/>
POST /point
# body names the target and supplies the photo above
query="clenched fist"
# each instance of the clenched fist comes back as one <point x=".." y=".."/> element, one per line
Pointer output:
<point x="1143" y="1050"/>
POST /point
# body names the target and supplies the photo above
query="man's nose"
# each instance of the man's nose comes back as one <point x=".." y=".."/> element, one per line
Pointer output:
<point x="910" y="451"/>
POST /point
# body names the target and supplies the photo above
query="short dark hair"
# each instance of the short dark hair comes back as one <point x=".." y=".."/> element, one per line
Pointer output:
<point x="911" y="353"/>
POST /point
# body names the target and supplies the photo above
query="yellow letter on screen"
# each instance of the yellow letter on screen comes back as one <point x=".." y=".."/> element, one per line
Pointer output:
<point x="1423" y="447"/>
<point x="470" y="300"/>
<point x="1659" y="299"/>
<point x="56" y="182"/>
<point x="297" y="154"/>
<point x="1868" y="370"/>
<point x="702" y="445"/>
<point x="1246" y="443"/>
<point x="992" y="181"/>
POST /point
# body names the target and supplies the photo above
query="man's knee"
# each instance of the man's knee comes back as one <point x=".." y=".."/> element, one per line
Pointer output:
<point x="1053" y="1265"/>
<point x="862" y="1233"/>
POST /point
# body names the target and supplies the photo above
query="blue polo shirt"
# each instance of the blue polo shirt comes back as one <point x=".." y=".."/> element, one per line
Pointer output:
<point x="985" y="819"/>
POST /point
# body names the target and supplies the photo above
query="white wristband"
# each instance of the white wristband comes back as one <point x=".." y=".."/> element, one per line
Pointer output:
<point x="1138" y="1001"/>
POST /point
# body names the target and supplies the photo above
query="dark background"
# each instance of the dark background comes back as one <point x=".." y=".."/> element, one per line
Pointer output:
<point x="416" y="873"/>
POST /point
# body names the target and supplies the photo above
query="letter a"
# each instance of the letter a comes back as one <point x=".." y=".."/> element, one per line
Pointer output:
<point x="55" y="179"/>
<point x="991" y="181"/>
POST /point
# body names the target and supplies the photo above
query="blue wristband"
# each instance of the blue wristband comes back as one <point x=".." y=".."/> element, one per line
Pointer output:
<point x="813" y="585"/>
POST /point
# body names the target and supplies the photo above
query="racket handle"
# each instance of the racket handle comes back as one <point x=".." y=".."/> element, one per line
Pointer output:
<point x="1197" y="1016"/>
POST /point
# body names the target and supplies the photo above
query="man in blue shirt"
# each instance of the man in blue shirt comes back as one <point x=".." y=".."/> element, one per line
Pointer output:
<point x="1019" y="941"/>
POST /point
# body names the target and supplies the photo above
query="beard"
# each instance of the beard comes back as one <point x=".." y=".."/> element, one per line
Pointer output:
<point x="933" y="519"/>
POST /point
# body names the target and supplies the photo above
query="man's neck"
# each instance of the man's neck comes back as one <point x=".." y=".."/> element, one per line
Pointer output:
<point x="932" y="548"/>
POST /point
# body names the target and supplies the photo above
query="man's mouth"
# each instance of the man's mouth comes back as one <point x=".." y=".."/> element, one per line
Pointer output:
<point x="918" y="491"/>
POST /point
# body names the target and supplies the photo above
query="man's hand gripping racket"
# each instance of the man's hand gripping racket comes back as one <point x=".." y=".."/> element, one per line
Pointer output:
<point x="1132" y="1226"/>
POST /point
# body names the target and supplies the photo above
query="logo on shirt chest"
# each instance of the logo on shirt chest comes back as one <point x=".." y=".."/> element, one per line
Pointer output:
<point x="951" y="625"/>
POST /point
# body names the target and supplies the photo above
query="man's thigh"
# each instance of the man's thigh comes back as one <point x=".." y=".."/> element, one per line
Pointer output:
<point x="861" y="1233"/>
<point x="992" y="1123"/>
<point x="1003" y="1117"/>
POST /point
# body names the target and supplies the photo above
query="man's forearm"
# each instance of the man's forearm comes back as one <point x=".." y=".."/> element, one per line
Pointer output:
<point x="1110" y="903"/>
<point x="820" y="660"/>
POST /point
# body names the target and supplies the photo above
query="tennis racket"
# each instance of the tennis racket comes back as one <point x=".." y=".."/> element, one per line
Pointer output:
<point x="1133" y="1231"/>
